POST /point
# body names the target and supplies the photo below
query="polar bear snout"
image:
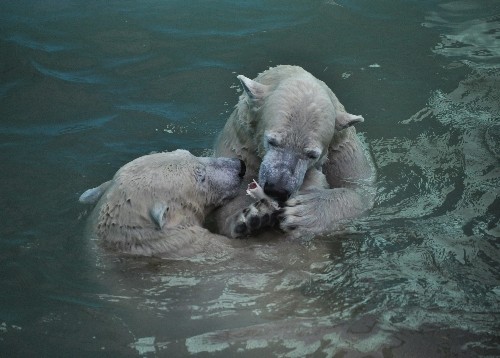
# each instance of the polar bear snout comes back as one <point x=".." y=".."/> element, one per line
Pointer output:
<point x="224" y="177"/>
<point x="281" y="173"/>
<point x="276" y="192"/>
<point x="226" y="165"/>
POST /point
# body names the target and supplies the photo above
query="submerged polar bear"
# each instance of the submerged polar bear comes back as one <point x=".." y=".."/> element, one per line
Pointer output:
<point x="297" y="139"/>
<point x="156" y="204"/>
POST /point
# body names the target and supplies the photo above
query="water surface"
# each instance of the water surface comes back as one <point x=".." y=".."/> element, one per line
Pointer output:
<point x="87" y="86"/>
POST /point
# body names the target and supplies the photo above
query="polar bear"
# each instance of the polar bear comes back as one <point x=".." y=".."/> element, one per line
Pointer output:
<point x="156" y="204"/>
<point x="299" y="142"/>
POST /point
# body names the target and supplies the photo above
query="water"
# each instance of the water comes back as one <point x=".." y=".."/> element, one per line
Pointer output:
<point x="86" y="86"/>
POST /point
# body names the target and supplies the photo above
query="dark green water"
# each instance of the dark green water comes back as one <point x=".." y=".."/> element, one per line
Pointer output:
<point x="87" y="86"/>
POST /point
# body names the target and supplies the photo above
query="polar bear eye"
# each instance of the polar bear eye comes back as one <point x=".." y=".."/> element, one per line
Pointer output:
<point x="313" y="153"/>
<point x="272" y="139"/>
<point x="272" y="142"/>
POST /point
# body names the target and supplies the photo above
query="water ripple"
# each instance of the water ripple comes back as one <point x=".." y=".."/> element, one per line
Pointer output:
<point x="82" y="76"/>
<point x="123" y="61"/>
<point x="37" y="45"/>
<point x="164" y="110"/>
<point x="6" y="87"/>
<point x="51" y="130"/>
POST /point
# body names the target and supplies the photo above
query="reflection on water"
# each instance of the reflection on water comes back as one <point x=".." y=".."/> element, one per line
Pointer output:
<point x="87" y="87"/>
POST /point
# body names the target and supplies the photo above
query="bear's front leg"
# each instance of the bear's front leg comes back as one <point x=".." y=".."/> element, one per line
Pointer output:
<point x="257" y="216"/>
<point x="245" y="215"/>
<point x="318" y="211"/>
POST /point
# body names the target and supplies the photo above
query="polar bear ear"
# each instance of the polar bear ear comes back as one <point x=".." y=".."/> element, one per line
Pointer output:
<point x="253" y="89"/>
<point x="91" y="196"/>
<point x="159" y="214"/>
<point x="345" y="120"/>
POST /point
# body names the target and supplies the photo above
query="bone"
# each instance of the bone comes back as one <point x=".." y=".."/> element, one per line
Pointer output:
<point x="256" y="192"/>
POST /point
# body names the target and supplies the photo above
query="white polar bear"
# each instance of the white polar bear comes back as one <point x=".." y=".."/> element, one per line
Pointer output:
<point x="156" y="204"/>
<point x="297" y="139"/>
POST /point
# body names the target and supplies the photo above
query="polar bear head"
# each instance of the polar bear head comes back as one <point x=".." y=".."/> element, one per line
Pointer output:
<point x="153" y="197"/>
<point x="294" y="117"/>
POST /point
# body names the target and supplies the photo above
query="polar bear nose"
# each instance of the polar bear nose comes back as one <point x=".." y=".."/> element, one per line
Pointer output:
<point x="243" y="169"/>
<point x="277" y="193"/>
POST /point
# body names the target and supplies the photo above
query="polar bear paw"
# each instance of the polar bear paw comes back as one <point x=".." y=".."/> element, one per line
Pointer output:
<point x="257" y="216"/>
<point x="303" y="213"/>
<point x="320" y="211"/>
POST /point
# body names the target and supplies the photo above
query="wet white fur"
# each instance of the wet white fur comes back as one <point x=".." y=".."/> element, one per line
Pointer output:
<point x="156" y="205"/>
<point x="283" y="119"/>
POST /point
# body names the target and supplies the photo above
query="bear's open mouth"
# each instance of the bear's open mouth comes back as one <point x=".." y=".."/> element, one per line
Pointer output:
<point x="243" y="169"/>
